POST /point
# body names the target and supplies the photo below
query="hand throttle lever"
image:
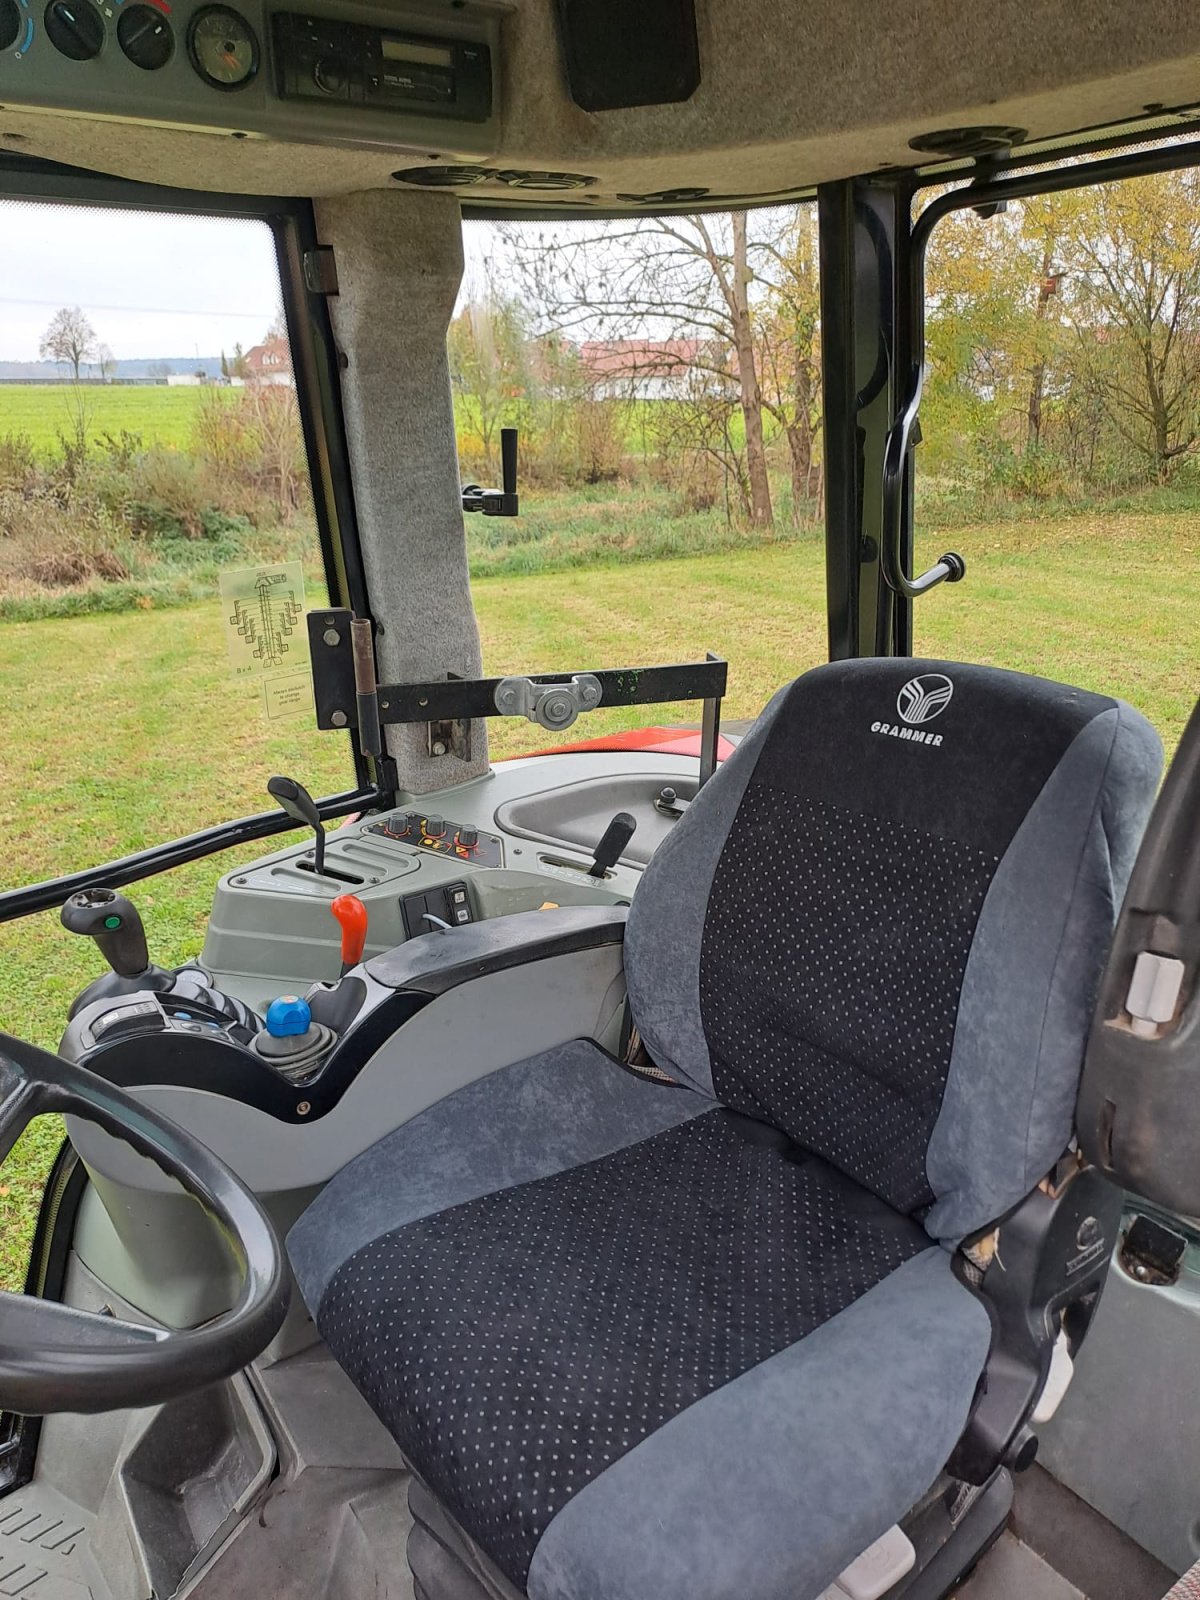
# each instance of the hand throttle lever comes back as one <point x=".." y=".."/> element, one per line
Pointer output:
<point x="612" y="844"/>
<point x="352" y="915"/>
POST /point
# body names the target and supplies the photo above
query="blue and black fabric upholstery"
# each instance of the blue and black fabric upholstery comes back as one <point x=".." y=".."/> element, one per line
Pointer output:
<point x="692" y="1340"/>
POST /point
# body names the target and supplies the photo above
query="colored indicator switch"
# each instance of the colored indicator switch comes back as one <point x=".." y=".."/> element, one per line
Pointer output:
<point x="288" y="1017"/>
<point x="112" y="922"/>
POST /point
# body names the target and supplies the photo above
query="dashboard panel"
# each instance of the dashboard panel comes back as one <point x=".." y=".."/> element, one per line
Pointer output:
<point x="420" y="78"/>
<point x="512" y="841"/>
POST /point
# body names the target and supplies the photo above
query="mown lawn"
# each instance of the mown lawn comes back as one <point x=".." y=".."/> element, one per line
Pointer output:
<point x="41" y="411"/>
<point x="119" y="731"/>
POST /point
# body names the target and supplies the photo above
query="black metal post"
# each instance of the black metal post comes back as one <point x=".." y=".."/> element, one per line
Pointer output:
<point x="865" y="337"/>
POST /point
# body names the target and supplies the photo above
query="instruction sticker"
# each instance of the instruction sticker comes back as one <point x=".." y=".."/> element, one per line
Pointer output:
<point x="287" y="694"/>
<point x="263" y="611"/>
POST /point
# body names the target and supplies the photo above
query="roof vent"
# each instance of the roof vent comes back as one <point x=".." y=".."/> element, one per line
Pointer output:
<point x="542" y="180"/>
<point x="443" y="177"/>
<point x="990" y="139"/>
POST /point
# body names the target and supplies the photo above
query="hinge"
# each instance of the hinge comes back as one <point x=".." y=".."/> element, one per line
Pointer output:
<point x="320" y="270"/>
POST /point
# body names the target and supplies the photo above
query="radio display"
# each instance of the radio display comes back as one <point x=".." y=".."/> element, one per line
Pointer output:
<point x="425" y="55"/>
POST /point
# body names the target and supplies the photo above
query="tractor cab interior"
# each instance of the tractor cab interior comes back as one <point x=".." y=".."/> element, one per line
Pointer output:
<point x="681" y="1163"/>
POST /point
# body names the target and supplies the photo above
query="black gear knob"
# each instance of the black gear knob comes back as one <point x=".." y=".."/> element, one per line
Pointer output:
<point x="114" y="923"/>
<point x="612" y="844"/>
<point x="295" y="799"/>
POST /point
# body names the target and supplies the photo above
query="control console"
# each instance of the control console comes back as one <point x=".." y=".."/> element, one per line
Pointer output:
<point x="415" y="76"/>
<point x="461" y="840"/>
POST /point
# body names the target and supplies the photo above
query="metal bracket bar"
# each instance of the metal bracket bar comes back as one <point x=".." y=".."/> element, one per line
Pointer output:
<point x="320" y="270"/>
<point x="461" y="700"/>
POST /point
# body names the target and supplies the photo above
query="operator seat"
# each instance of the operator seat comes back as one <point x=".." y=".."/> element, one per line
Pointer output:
<point x="705" y="1338"/>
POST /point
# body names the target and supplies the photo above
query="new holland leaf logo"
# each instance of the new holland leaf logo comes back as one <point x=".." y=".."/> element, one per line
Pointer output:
<point x="924" y="698"/>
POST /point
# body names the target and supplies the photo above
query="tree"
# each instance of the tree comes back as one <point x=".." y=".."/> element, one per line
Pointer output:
<point x="789" y="339"/>
<point x="1131" y="257"/>
<point x="698" y="279"/>
<point x="239" y="367"/>
<point x="69" y="338"/>
<point x="489" y="350"/>
<point x="160" y="371"/>
<point x="106" y="362"/>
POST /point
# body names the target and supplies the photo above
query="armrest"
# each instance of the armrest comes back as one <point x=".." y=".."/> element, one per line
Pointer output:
<point x="436" y="962"/>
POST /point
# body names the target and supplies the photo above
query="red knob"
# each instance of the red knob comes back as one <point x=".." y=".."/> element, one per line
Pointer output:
<point x="352" y="914"/>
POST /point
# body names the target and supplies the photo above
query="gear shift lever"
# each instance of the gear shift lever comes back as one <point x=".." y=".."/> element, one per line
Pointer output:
<point x="295" y="799"/>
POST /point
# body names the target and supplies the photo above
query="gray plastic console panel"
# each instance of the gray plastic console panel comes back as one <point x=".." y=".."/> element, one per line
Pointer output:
<point x="1126" y="1437"/>
<point x="271" y="930"/>
<point x="473" y="1029"/>
<point x="439" y="962"/>
<point x="578" y="813"/>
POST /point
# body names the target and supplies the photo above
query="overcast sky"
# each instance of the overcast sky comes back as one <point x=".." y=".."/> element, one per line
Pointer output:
<point x="151" y="285"/>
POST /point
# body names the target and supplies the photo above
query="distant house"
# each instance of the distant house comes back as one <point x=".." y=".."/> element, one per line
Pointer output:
<point x="269" y="362"/>
<point x="655" y="369"/>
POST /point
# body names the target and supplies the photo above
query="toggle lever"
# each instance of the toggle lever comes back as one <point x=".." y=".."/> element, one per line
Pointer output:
<point x="295" y="799"/>
<point x="352" y="915"/>
<point x="612" y="844"/>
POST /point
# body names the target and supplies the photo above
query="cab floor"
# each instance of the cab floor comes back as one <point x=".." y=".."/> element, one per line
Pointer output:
<point x="1056" y="1548"/>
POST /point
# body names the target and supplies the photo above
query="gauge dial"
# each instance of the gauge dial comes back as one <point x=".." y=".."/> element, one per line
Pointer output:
<point x="223" y="47"/>
<point x="144" y="34"/>
<point x="10" y="23"/>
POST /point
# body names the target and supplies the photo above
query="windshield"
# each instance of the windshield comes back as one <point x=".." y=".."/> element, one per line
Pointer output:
<point x="664" y="374"/>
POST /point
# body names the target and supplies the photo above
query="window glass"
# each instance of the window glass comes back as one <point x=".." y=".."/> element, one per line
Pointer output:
<point x="157" y="544"/>
<point x="664" y="375"/>
<point x="1061" y="439"/>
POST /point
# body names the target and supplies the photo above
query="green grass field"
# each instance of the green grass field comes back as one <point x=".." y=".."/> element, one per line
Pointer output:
<point x="118" y="731"/>
<point x="41" y="411"/>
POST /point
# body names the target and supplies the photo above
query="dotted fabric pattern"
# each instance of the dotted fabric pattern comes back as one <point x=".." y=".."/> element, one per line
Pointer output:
<point x="831" y="964"/>
<point x="519" y="1344"/>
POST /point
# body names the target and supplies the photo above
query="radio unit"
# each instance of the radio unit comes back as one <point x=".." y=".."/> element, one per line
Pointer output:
<point x="353" y="63"/>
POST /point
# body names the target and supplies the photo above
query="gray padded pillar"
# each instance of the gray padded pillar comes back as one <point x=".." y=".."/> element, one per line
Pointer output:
<point x="399" y="264"/>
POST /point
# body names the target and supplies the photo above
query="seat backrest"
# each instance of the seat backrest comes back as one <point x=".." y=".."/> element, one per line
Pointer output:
<point x="881" y="924"/>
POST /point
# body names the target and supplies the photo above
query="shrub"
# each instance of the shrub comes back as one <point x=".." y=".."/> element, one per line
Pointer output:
<point x="18" y="464"/>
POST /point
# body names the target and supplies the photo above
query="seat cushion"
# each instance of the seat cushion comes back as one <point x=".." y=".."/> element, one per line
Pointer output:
<point x="537" y="1325"/>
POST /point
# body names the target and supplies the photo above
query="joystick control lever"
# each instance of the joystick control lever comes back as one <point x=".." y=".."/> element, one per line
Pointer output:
<point x="612" y="844"/>
<point x="116" y="926"/>
<point x="114" y="923"/>
<point x="295" y="799"/>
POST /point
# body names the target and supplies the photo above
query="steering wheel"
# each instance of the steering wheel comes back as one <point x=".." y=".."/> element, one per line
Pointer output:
<point x="57" y="1358"/>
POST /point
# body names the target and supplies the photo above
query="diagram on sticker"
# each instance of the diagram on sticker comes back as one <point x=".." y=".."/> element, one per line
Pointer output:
<point x="266" y="621"/>
<point x="263" y="619"/>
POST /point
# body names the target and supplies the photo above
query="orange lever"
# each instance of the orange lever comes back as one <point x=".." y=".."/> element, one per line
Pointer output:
<point x="352" y="914"/>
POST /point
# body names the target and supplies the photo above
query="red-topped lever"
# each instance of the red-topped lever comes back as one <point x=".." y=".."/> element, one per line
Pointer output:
<point x="352" y="914"/>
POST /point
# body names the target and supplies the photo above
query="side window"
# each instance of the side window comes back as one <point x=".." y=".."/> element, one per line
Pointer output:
<point x="157" y="547"/>
<point x="1061" y="438"/>
<point x="664" y="374"/>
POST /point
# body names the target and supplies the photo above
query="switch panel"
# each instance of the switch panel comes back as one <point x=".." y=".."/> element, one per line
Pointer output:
<point x="450" y="904"/>
<point x="461" y="840"/>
